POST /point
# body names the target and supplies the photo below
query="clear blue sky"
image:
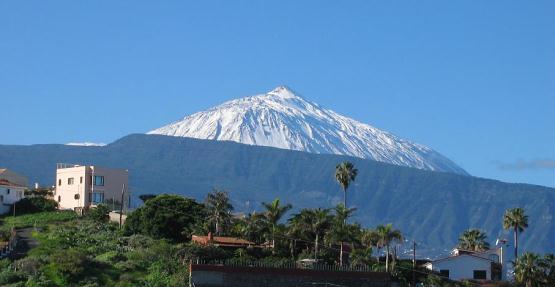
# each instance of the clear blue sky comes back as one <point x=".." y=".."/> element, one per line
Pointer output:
<point x="474" y="80"/>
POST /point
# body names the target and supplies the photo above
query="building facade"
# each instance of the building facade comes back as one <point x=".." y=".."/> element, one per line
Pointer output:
<point x="84" y="186"/>
<point x="12" y="189"/>
<point x="463" y="264"/>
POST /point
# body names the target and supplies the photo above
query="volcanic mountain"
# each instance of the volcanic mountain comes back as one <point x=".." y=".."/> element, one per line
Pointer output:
<point x="283" y="119"/>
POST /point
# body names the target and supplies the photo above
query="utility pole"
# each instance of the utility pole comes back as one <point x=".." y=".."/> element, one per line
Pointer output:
<point x="121" y="208"/>
<point x="413" y="263"/>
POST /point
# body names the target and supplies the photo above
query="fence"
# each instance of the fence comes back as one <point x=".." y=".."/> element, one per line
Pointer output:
<point x="283" y="264"/>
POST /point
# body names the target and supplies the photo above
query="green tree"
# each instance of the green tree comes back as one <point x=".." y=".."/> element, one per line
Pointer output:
<point x="528" y="270"/>
<point x="370" y="238"/>
<point x="274" y="213"/>
<point x="474" y="240"/>
<point x="517" y="220"/>
<point x="388" y="235"/>
<point x="345" y="173"/>
<point x="219" y="209"/>
<point x="340" y="231"/>
<point x="145" y="197"/>
<point x="315" y="222"/>
<point x="166" y="216"/>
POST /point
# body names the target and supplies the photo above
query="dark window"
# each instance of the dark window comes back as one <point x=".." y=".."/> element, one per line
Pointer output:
<point x="444" y="273"/>
<point x="480" y="274"/>
<point x="98" y="180"/>
<point x="70" y="181"/>
<point x="59" y="198"/>
<point x="59" y="182"/>
<point x="81" y="180"/>
<point x="1" y="198"/>
<point x="8" y="191"/>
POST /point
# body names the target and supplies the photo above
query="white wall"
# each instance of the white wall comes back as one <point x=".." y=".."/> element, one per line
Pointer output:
<point x="15" y="194"/>
<point x="462" y="267"/>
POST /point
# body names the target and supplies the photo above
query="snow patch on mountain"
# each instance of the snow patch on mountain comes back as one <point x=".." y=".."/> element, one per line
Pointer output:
<point x="283" y="119"/>
<point x="85" y="144"/>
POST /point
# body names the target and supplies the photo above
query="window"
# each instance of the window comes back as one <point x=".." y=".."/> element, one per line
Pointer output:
<point x="59" y="182"/>
<point x="70" y="181"/>
<point x="97" y="197"/>
<point x="1" y="198"/>
<point x="480" y="274"/>
<point x="8" y="191"/>
<point x="444" y="273"/>
<point x="59" y="198"/>
<point x="98" y="180"/>
<point x="81" y="180"/>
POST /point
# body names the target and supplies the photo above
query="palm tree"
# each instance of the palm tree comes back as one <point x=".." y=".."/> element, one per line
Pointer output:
<point x="473" y="240"/>
<point x="219" y="209"/>
<point x="515" y="219"/>
<point x="316" y="221"/>
<point x="345" y="172"/>
<point x="528" y="270"/>
<point x="341" y="232"/>
<point x="387" y="235"/>
<point x="274" y="212"/>
<point x="370" y="238"/>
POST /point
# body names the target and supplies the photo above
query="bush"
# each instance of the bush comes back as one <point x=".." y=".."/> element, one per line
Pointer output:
<point x="99" y="213"/>
<point x="34" y="205"/>
<point x="166" y="216"/>
<point x="70" y="264"/>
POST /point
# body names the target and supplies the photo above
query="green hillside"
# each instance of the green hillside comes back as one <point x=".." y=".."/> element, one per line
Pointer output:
<point x="431" y="207"/>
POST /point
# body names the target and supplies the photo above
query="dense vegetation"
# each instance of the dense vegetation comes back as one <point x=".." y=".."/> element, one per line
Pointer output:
<point x="154" y="248"/>
<point x="430" y="207"/>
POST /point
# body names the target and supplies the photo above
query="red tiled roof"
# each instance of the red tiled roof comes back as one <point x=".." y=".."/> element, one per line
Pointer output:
<point x="8" y="183"/>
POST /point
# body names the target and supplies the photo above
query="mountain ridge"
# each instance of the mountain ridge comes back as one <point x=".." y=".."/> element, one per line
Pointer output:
<point x="283" y="119"/>
<point x="430" y="207"/>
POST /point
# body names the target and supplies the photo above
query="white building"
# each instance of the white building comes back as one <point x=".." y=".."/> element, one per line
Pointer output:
<point x="12" y="189"/>
<point x="82" y="186"/>
<point x="464" y="264"/>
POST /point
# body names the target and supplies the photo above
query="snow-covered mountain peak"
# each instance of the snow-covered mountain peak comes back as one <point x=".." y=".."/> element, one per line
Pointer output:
<point x="282" y="119"/>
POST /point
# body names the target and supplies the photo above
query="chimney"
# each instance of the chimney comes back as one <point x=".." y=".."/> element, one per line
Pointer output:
<point x="210" y="236"/>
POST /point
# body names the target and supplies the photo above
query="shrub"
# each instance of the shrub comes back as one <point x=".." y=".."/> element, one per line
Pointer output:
<point x="34" y="205"/>
<point x="70" y="264"/>
<point x="165" y="216"/>
<point x="99" y="213"/>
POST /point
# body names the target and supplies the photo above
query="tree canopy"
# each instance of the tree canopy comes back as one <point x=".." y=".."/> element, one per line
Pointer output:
<point x="166" y="216"/>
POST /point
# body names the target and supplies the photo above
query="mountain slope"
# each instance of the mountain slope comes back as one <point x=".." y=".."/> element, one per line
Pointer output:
<point x="430" y="207"/>
<point x="284" y="120"/>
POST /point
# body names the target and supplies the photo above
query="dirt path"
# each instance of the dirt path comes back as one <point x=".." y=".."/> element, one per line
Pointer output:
<point x="25" y="243"/>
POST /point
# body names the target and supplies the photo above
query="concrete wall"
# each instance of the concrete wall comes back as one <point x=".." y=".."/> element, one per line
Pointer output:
<point x="219" y="276"/>
<point x="462" y="267"/>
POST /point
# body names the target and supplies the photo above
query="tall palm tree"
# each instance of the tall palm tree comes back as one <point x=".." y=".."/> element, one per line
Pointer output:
<point x="340" y="231"/>
<point x="345" y="173"/>
<point x="528" y="270"/>
<point x="515" y="219"/>
<point x="219" y="209"/>
<point x="388" y="235"/>
<point x="274" y="213"/>
<point x="473" y="240"/>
